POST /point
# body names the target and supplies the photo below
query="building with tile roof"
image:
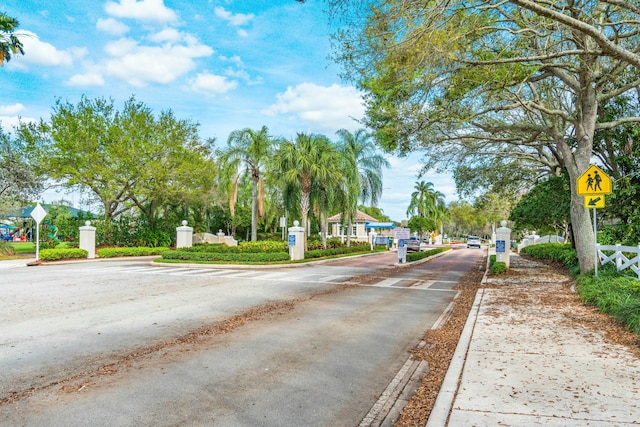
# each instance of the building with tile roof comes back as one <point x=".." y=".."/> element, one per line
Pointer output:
<point x="361" y="228"/>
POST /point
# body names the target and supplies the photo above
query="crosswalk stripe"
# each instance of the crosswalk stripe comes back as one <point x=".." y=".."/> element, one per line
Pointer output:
<point x="389" y="282"/>
<point x="283" y="276"/>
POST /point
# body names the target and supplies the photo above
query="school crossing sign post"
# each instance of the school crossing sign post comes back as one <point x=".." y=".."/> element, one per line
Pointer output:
<point x="594" y="184"/>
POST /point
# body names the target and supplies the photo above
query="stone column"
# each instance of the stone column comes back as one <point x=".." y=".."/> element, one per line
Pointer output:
<point x="503" y="243"/>
<point x="88" y="239"/>
<point x="184" y="238"/>
<point x="296" y="241"/>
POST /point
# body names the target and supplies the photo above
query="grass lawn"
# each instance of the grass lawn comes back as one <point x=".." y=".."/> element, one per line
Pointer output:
<point x="30" y="247"/>
<point x="23" y="247"/>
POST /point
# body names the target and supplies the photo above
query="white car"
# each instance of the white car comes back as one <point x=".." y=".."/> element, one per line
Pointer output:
<point x="473" y="242"/>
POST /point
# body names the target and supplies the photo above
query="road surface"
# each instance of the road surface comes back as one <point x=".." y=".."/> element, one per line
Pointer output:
<point x="124" y="343"/>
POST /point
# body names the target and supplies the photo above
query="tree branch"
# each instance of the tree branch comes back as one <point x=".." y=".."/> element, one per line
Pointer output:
<point x="602" y="41"/>
<point x="615" y="123"/>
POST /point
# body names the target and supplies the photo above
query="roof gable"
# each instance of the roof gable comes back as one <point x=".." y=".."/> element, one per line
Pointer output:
<point x="360" y="217"/>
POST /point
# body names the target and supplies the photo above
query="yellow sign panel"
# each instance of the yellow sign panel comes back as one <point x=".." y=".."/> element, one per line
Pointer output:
<point x="594" y="181"/>
<point x="594" y="202"/>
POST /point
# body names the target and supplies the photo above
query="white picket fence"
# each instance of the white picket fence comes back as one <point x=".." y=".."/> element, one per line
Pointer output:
<point x="622" y="262"/>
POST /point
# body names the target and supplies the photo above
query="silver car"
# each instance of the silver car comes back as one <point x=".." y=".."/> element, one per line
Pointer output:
<point x="473" y="242"/>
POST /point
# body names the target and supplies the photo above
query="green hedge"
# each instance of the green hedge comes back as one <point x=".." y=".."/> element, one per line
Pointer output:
<point x="558" y="252"/>
<point x="613" y="294"/>
<point x="243" y="247"/>
<point x="320" y="253"/>
<point x="138" y="251"/>
<point x="416" y="256"/>
<point x="58" y="254"/>
<point x="186" y="255"/>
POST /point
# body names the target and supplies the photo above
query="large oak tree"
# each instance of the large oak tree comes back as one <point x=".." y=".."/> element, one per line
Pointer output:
<point x="519" y="79"/>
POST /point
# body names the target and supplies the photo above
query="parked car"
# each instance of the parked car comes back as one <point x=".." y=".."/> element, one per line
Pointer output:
<point x="473" y="242"/>
<point x="414" y="244"/>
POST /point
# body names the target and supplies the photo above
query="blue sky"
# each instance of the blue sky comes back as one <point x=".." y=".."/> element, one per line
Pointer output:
<point x="222" y="63"/>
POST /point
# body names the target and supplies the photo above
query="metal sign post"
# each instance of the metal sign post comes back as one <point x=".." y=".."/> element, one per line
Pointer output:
<point x="283" y="225"/>
<point x="595" y="242"/>
<point x="38" y="213"/>
<point x="593" y="184"/>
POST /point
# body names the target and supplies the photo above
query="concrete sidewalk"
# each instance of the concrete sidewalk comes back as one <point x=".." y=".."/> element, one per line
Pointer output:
<point x="525" y="358"/>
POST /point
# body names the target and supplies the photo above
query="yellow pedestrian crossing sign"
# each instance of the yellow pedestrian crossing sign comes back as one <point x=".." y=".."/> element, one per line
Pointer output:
<point x="594" y="202"/>
<point x="594" y="182"/>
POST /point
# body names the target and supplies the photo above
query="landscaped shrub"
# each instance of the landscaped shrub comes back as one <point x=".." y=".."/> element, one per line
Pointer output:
<point x="320" y="253"/>
<point x="498" y="267"/>
<point x="6" y="248"/>
<point x="138" y="251"/>
<point x="246" y="257"/>
<point x="48" y="243"/>
<point x="334" y="242"/>
<point x="260" y="246"/>
<point x="558" y="252"/>
<point x="416" y="256"/>
<point x="58" y="254"/>
<point x="492" y="259"/>
<point x="613" y="294"/>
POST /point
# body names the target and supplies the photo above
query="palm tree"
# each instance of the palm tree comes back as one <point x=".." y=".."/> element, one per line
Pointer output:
<point x="426" y="202"/>
<point x="304" y="163"/>
<point x="362" y="171"/>
<point x="9" y="43"/>
<point x="247" y="153"/>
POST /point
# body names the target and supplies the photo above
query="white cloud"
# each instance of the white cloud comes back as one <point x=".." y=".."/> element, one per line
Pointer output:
<point x="326" y="108"/>
<point x="10" y="123"/>
<point x="243" y="33"/>
<point x="11" y="109"/>
<point x="10" y="117"/>
<point x="112" y="26"/>
<point x="241" y="74"/>
<point x="167" y="35"/>
<point x="86" y="79"/>
<point x="118" y="47"/>
<point x="144" y="10"/>
<point x="138" y="64"/>
<point x="236" y="19"/>
<point x="211" y="84"/>
<point x="38" y="52"/>
<point x="235" y="59"/>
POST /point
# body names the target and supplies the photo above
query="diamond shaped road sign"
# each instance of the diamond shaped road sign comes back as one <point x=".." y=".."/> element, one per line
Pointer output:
<point x="38" y="213"/>
<point x="594" y="182"/>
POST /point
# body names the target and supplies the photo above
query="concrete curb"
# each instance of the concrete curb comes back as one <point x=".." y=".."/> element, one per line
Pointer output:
<point x="447" y="394"/>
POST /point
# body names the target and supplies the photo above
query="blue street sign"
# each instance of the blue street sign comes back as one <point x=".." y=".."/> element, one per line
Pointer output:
<point x="501" y="246"/>
<point x="292" y="239"/>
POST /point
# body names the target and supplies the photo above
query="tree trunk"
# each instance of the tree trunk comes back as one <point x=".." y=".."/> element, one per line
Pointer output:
<point x="323" y="228"/>
<point x="582" y="232"/>
<point x="305" y="201"/>
<point x="254" y="210"/>
<point x="576" y="163"/>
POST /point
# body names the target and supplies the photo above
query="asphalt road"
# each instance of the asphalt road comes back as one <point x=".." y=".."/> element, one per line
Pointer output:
<point x="123" y="343"/>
